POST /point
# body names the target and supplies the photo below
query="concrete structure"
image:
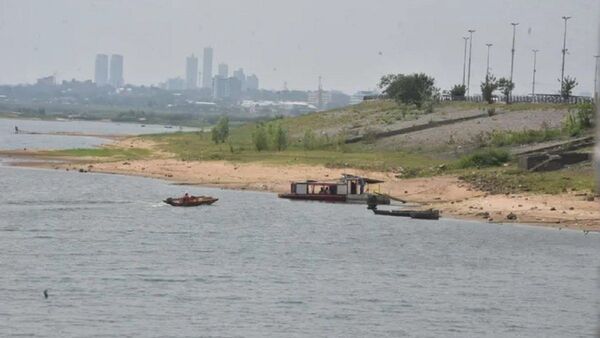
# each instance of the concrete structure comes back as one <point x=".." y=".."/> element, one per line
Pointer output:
<point x="319" y="98"/>
<point x="252" y="82"/>
<point x="207" y="60"/>
<point x="101" y="70"/>
<point x="176" y="83"/>
<point x="223" y="70"/>
<point x="116" y="71"/>
<point x="191" y="72"/>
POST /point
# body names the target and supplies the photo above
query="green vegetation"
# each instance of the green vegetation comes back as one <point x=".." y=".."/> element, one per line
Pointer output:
<point x="484" y="158"/>
<point x="488" y="87"/>
<point x="115" y="153"/>
<point x="513" y="180"/>
<point x="512" y="138"/>
<point x="580" y="120"/>
<point x="458" y="90"/>
<point x="567" y="86"/>
<point x="506" y="86"/>
<point x="408" y="89"/>
<point x="220" y="132"/>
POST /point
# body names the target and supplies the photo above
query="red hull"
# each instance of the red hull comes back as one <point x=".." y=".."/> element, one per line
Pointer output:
<point x="322" y="197"/>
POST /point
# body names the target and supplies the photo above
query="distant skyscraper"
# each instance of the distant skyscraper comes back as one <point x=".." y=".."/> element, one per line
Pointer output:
<point x="116" y="70"/>
<point x="191" y="72"/>
<point x="207" y="68"/>
<point x="252" y="82"/>
<point x="223" y="70"/>
<point x="239" y="74"/>
<point x="101" y="70"/>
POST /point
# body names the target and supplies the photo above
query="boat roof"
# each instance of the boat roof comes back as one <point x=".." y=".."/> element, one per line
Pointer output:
<point x="365" y="179"/>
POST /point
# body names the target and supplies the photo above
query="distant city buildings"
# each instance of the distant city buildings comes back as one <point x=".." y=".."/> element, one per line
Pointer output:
<point x="46" y="81"/>
<point x="359" y="96"/>
<point x="223" y="70"/>
<point x="191" y="72"/>
<point x="227" y="89"/>
<point x="252" y="82"/>
<point x="101" y="70"/>
<point x="207" y="61"/>
<point x="239" y="74"/>
<point x="116" y="71"/>
<point x="319" y="98"/>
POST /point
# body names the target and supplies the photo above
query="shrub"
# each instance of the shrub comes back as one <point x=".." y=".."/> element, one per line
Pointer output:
<point x="484" y="158"/>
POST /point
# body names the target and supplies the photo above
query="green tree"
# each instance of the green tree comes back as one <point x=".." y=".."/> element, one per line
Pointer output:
<point x="259" y="138"/>
<point x="506" y="86"/>
<point x="408" y="89"/>
<point x="488" y="88"/>
<point x="309" y="141"/>
<point x="458" y="91"/>
<point x="567" y="86"/>
<point x="220" y="132"/>
<point x="280" y="138"/>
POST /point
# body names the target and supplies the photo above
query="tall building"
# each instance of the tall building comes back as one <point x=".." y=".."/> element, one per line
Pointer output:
<point x="252" y="82"/>
<point x="207" y="68"/>
<point x="191" y="72"/>
<point x="101" y="70"/>
<point x="223" y="70"/>
<point x="229" y="89"/>
<point x="239" y="74"/>
<point x="116" y="70"/>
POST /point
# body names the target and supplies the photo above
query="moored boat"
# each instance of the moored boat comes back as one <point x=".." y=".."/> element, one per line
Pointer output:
<point x="191" y="201"/>
<point x="349" y="189"/>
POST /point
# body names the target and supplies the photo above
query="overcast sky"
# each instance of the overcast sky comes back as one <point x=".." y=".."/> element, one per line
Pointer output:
<point x="349" y="43"/>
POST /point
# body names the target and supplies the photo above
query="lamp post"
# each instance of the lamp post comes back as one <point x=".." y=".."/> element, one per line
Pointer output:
<point x="466" y="38"/>
<point x="471" y="31"/>
<point x="487" y="68"/>
<point x="564" y="52"/>
<point x="535" y="51"/>
<point x="512" y="51"/>
<point x="596" y="80"/>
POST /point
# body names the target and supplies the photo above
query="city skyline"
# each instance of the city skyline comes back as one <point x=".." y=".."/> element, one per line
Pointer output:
<point x="350" y="45"/>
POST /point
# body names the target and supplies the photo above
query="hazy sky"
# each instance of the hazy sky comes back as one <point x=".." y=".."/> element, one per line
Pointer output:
<point x="349" y="43"/>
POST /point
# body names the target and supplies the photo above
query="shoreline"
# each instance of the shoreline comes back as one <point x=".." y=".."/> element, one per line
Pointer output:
<point x="451" y="196"/>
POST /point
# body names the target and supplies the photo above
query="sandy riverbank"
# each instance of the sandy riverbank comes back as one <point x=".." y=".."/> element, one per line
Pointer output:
<point x="447" y="193"/>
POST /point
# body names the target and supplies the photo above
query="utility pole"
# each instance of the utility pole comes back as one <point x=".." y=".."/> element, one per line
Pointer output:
<point x="471" y="31"/>
<point x="487" y="69"/>
<point x="466" y="38"/>
<point x="564" y="51"/>
<point x="512" y="56"/>
<point x="596" y="80"/>
<point x="534" y="71"/>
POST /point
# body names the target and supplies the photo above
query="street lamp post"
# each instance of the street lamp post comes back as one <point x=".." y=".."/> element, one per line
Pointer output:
<point x="564" y="51"/>
<point x="596" y="80"/>
<point x="487" y="69"/>
<point x="466" y="38"/>
<point x="534" y="71"/>
<point x="471" y="31"/>
<point x="512" y="57"/>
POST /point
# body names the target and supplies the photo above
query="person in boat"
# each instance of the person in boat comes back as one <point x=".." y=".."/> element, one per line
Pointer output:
<point x="326" y="190"/>
<point x="322" y="191"/>
<point x="186" y="197"/>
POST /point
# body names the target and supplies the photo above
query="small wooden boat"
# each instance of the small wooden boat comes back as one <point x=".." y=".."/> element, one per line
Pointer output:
<point x="191" y="201"/>
<point x="417" y="214"/>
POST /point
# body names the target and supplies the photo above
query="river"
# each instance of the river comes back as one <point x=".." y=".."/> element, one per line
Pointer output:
<point x="39" y="134"/>
<point x="117" y="262"/>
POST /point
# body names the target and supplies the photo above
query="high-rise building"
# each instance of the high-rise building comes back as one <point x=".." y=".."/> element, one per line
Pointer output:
<point x="223" y="70"/>
<point x="239" y="74"/>
<point x="252" y="82"/>
<point x="116" y="70"/>
<point x="207" y="68"/>
<point x="229" y="89"/>
<point x="101" y="70"/>
<point x="191" y="72"/>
